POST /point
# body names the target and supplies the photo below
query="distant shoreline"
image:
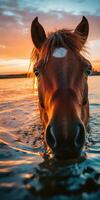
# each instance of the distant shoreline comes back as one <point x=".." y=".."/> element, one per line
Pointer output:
<point x="95" y="73"/>
<point x="7" y="76"/>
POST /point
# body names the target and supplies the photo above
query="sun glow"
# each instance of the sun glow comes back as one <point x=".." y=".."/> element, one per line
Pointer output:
<point x="15" y="36"/>
<point x="14" y="66"/>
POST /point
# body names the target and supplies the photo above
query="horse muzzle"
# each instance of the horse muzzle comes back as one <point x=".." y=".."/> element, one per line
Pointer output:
<point x="64" y="142"/>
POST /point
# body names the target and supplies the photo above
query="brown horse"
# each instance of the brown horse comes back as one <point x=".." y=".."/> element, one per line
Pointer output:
<point x="62" y="87"/>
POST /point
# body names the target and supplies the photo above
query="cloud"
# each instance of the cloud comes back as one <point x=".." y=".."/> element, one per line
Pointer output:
<point x="16" y="17"/>
<point x="94" y="47"/>
<point x="14" y="62"/>
<point x="2" y="46"/>
<point x="80" y="1"/>
<point x="14" y="66"/>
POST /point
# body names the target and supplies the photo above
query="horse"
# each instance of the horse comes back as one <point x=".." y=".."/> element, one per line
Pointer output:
<point x="62" y="74"/>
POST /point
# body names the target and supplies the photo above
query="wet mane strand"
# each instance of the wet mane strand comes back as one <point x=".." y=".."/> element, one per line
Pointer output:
<point x="61" y="38"/>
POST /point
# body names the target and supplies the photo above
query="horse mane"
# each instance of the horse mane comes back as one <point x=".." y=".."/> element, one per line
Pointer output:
<point x="60" y="38"/>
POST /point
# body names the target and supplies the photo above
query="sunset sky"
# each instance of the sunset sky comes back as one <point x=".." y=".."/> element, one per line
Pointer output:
<point x="15" y="21"/>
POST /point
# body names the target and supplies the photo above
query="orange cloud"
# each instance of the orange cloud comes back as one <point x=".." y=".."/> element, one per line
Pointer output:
<point x="15" y="39"/>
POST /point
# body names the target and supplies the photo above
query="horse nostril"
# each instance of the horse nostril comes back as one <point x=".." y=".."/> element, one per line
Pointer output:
<point x="50" y="137"/>
<point x="80" y="136"/>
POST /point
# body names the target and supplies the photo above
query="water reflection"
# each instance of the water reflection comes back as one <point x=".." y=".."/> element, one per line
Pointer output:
<point x="49" y="178"/>
<point x="25" y="171"/>
<point x="55" y="178"/>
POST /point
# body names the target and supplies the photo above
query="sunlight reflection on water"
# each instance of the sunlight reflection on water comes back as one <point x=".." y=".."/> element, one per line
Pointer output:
<point x="24" y="173"/>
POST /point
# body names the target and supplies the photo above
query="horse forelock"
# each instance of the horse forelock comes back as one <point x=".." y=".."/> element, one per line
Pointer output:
<point x="61" y="38"/>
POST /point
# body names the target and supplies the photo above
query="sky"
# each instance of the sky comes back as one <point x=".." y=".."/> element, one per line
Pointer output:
<point x="15" y="22"/>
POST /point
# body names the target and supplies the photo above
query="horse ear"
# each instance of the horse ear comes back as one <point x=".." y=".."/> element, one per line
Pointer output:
<point x="37" y="33"/>
<point x="83" y="29"/>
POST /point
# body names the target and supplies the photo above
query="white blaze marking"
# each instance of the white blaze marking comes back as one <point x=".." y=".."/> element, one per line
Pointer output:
<point x="60" y="52"/>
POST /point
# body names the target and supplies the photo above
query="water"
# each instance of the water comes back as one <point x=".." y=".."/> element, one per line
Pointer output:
<point x="25" y="173"/>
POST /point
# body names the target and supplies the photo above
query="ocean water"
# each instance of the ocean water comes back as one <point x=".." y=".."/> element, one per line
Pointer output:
<point x="25" y="171"/>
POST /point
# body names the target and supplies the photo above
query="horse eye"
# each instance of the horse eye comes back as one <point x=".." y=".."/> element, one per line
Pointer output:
<point x="42" y="105"/>
<point x="88" y="72"/>
<point x="84" y="102"/>
<point x="36" y="71"/>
